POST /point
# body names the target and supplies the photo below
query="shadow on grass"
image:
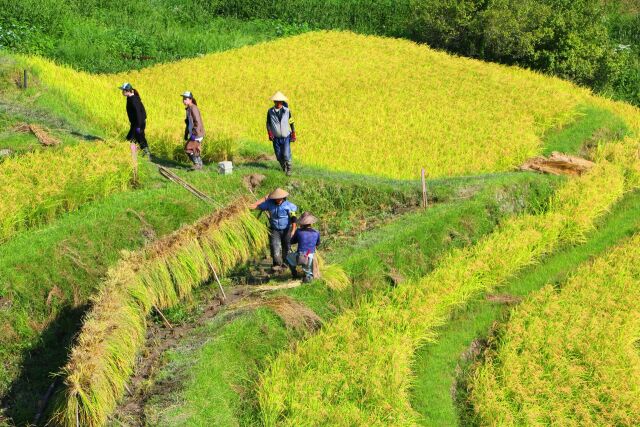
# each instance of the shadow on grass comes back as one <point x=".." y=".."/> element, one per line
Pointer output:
<point x="86" y="137"/>
<point x="25" y="400"/>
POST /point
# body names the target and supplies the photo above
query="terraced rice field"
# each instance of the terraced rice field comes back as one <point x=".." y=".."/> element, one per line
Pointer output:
<point x="362" y="104"/>
<point x="569" y="356"/>
<point x="370" y="112"/>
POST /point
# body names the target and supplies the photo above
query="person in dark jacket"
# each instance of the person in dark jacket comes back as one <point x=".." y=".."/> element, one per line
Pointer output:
<point x="282" y="224"/>
<point x="281" y="130"/>
<point x="194" y="130"/>
<point x="137" y="118"/>
<point x="307" y="240"/>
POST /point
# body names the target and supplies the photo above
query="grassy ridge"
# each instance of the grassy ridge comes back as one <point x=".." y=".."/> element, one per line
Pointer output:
<point x="360" y="385"/>
<point x="395" y="106"/>
<point x="437" y="391"/>
<point x="594" y="126"/>
<point x="570" y="357"/>
<point x="222" y="367"/>
<point x="32" y="192"/>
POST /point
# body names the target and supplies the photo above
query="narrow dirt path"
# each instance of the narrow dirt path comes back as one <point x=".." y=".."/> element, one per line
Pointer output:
<point x="162" y="337"/>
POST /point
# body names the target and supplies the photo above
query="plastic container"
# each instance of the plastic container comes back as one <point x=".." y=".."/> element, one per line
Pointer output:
<point x="225" y="168"/>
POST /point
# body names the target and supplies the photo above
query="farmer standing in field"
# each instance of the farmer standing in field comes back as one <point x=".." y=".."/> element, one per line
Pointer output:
<point x="137" y="118"/>
<point x="281" y="130"/>
<point x="307" y="239"/>
<point x="282" y="224"/>
<point x="194" y="130"/>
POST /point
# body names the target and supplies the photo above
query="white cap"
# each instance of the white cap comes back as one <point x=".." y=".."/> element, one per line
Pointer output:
<point x="187" y="94"/>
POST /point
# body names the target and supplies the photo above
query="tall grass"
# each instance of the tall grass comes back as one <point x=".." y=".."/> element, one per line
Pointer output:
<point x="384" y="17"/>
<point x="113" y="332"/>
<point x="103" y="37"/>
<point x="395" y="106"/>
<point x="37" y="187"/>
<point x="569" y="357"/>
<point x="357" y="371"/>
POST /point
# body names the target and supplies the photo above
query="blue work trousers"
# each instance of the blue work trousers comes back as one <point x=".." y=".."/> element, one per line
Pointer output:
<point x="282" y="149"/>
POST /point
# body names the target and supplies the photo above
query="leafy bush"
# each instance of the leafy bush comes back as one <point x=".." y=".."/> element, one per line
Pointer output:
<point x="576" y="40"/>
<point x="569" y="39"/>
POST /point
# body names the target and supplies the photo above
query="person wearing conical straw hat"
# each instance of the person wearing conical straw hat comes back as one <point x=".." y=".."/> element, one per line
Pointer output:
<point x="282" y="224"/>
<point x="194" y="130"/>
<point x="137" y="118"/>
<point x="307" y="240"/>
<point x="281" y="130"/>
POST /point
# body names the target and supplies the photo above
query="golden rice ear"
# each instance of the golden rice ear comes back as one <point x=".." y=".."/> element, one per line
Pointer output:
<point x="589" y="321"/>
<point x="335" y="277"/>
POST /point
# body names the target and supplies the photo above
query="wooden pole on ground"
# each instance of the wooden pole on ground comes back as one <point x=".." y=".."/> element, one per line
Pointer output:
<point x="164" y="319"/>
<point x="424" y="189"/>
<point x="215" y="275"/>
<point x="24" y="80"/>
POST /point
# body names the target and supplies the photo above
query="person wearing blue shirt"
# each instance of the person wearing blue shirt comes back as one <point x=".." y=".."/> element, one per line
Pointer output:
<point x="282" y="224"/>
<point x="307" y="239"/>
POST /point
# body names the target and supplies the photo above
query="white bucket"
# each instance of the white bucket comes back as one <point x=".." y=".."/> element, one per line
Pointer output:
<point x="225" y="168"/>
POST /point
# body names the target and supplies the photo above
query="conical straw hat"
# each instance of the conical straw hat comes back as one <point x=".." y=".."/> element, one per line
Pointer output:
<point x="279" y="96"/>
<point x="307" y="219"/>
<point x="278" y="193"/>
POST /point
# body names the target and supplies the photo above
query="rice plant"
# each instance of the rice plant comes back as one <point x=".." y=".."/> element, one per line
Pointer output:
<point x="335" y="277"/>
<point x="158" y="276"/>
<point x="569" y="357"/>
<point x="33" y="192"/>
<point x="395" y="106"/>
<point x="357" y="370"/>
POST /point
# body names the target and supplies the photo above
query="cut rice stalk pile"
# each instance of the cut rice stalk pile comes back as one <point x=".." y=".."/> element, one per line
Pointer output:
<point x="159" y="276"/>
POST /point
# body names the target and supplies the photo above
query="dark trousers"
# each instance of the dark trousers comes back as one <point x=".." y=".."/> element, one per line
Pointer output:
<point x="138" y="137"/>
<point x="280" y="245"/>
